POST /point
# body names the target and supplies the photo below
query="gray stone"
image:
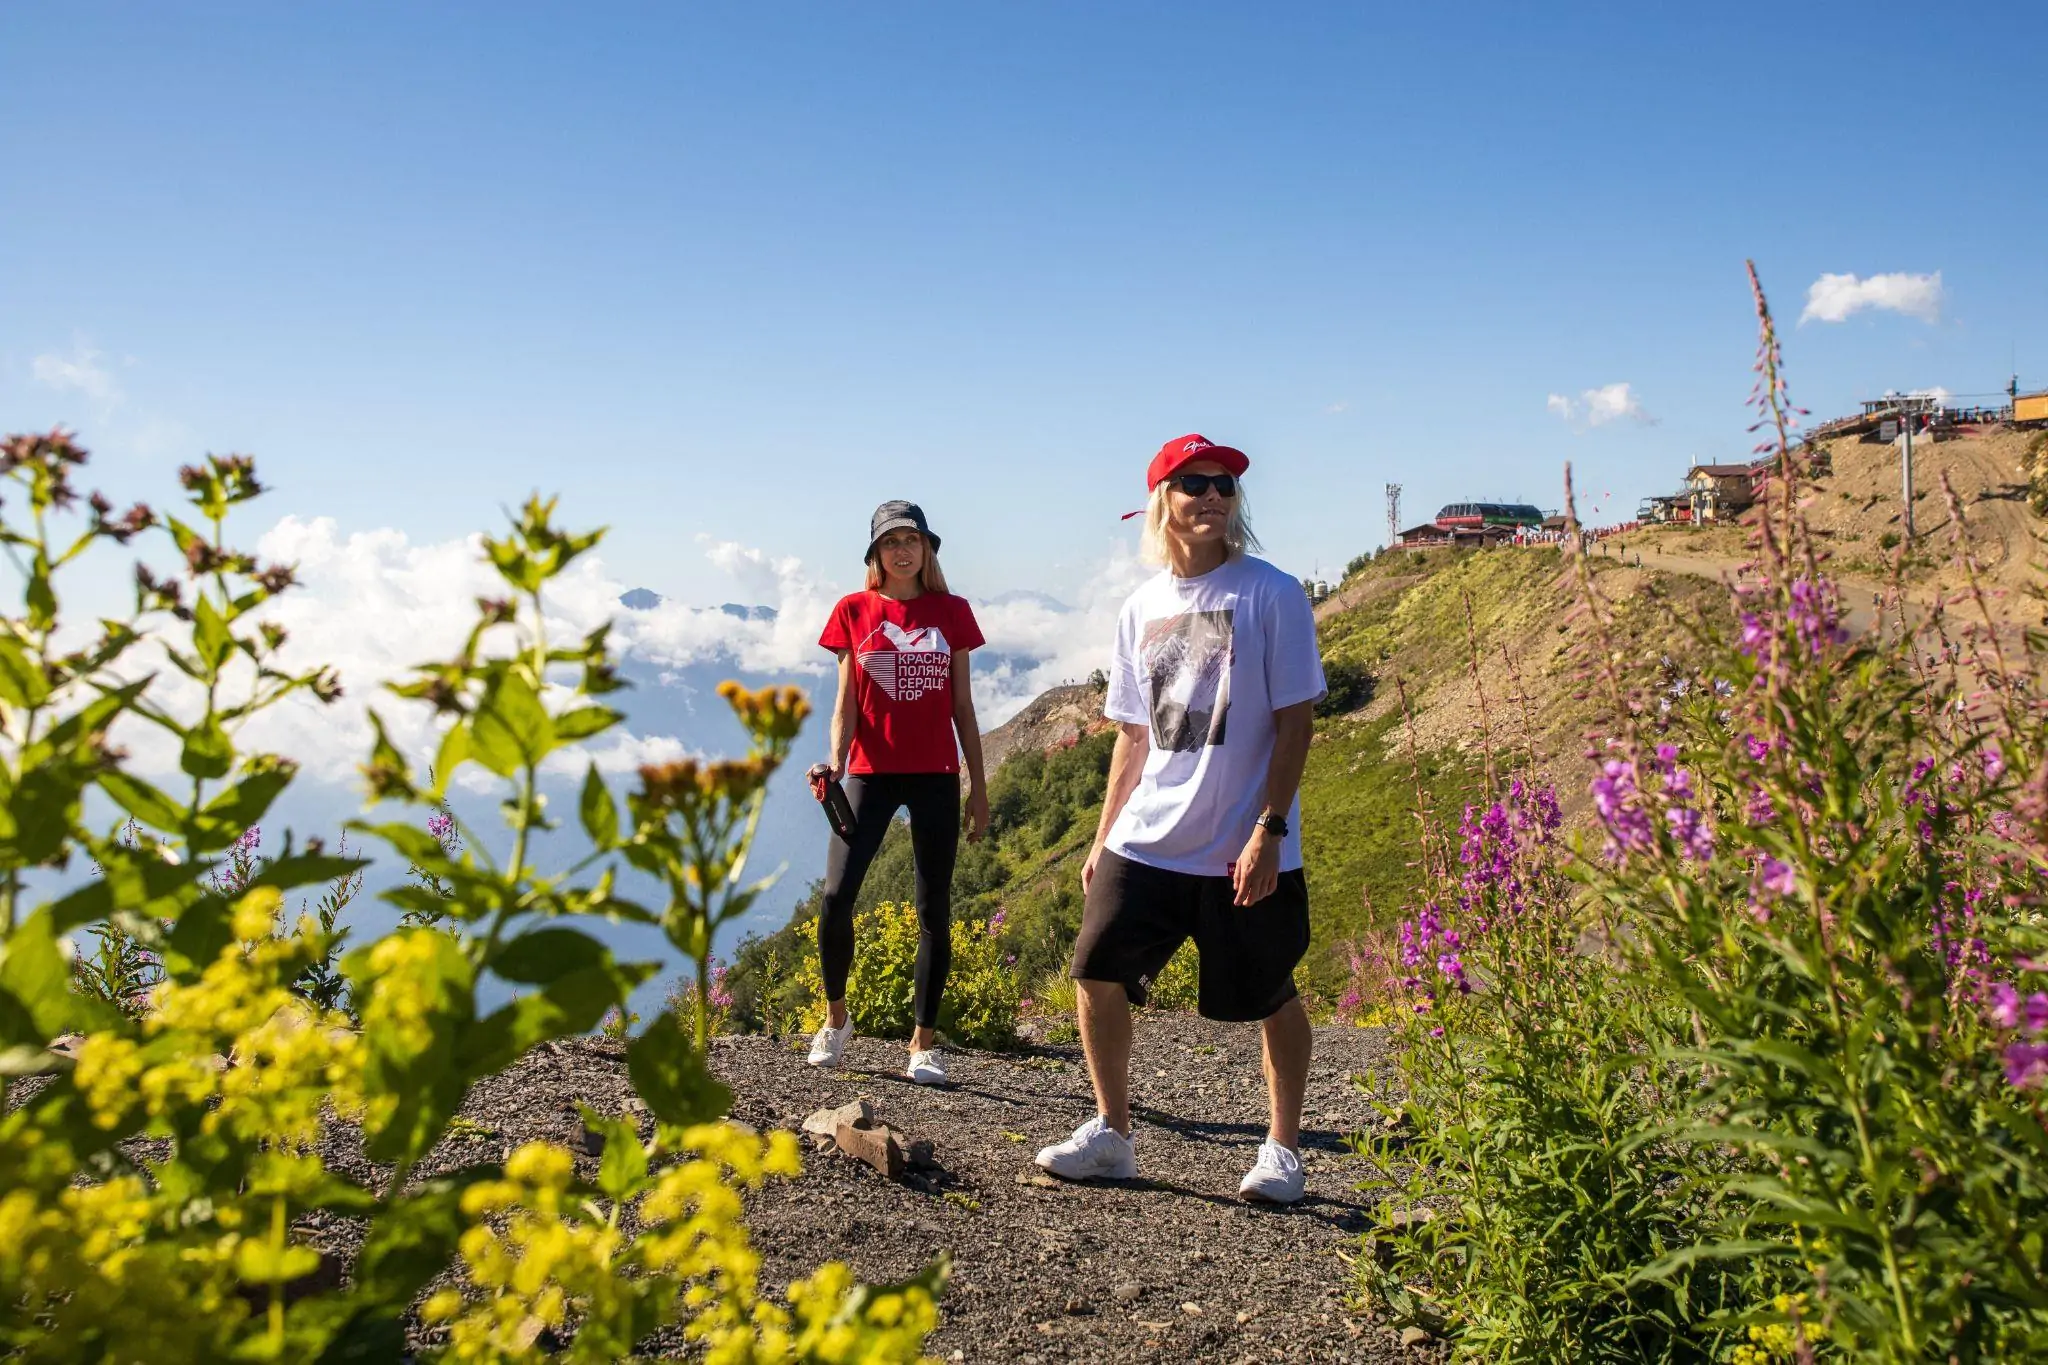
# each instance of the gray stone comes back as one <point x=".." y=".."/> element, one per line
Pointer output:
<point x="1412" y="1337"/>
<point x="586" y="1139"/>
<point x="878" y="1147"/>
<point x="1127" y="1292"/>
<point x="826" y="1122"/>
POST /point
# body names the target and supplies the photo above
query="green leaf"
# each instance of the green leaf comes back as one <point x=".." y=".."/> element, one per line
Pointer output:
<point x="414" y="844"/>
<point x="151" y="806"/>
<point x="572" y="1003"/>
<point x="669" y="1074"/>
<point x="207" y="752"/>
<point x="510" y="730"/>
<point x="258" y="1262"/>
<point x="544" y="955"/>
<point x="600" y="814"/>
<point x="622" y="1169"/>
<point x="453" y="753"/>
<point x="242" y="805"/>
<point x="21" y="679"/>
<point x="210" y="635"/>
<point x="36" y="999"/>
<point x="44" y="811"/>
<point x="584" y="722"/>
<point x="1685" y="1258"/>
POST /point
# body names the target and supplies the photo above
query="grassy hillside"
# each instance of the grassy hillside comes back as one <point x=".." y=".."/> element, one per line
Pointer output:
<point x="1397" y="622"/>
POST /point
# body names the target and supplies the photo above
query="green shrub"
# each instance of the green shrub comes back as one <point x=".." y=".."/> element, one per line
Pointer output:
<point x="978" y="1009"/>
<point x="1349" y="685"/>
<point x="1755" y="1075"/>
<point x="232" y="1067"/>
<point x="1177" y="987"/>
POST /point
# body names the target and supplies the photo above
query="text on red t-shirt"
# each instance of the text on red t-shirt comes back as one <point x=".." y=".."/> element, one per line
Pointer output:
<point x="903" y="677"/>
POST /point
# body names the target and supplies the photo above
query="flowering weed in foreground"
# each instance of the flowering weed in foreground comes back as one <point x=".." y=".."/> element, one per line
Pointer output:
<point x="1768" y="1086"/>
<point x="228" y="1059"/>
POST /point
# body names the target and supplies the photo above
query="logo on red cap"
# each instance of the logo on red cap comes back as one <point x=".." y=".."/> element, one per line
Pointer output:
<point x="1186" y="449"/>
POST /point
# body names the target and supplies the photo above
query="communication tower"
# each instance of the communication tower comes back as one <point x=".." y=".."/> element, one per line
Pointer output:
<point x="1393" y="514"/>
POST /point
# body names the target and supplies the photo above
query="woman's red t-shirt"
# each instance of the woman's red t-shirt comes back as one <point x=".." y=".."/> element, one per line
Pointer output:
<point x="903" y="677"/>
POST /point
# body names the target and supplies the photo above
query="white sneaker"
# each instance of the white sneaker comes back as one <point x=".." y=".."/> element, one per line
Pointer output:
<point x="1096" y="1151"/>
<point x="1276" y="1177"/>
<point x="830" y="1044"/>
<point x="927" y="1067"/>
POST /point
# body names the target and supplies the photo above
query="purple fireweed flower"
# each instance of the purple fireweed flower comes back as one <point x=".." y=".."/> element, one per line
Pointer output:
<point x="995" y="924"/>
<point x="1678" y="785"/>
<point x="1667" y="758"/>
<point x="1694" y="835"/>
<point x="2026" y="1065"/>
<point x="1773" y="879"/>
<point x="1614" y="798"/>
<point x="1755" y="635"/>
<point x="1994" y="763"/>
<point x="2002" y="1005"/>
<point x="1759" y="749"/>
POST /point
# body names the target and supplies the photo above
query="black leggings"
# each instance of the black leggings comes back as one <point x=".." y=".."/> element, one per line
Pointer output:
<point x="934" y="802"/>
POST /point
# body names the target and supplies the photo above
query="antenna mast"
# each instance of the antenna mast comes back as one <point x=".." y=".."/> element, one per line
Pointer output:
<point x="1393" y="515"/>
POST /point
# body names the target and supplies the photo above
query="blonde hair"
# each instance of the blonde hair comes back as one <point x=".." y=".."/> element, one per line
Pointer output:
<point x="931" y="578"/>
<point x="1237" y="532"/>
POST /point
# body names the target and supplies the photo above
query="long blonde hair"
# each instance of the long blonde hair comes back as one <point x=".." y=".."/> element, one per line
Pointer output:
<point x="1237" y="531"/>
<point x="930" y="577"/>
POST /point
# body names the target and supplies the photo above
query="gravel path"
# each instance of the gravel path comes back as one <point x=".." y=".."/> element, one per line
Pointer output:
<point x="1172" y="1266"/>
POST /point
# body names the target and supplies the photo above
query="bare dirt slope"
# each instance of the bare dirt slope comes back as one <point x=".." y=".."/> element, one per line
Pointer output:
<point x="1857" y="507"/>
<point x="1054" y="717"/>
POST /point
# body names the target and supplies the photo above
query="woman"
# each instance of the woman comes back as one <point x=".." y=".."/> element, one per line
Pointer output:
<point x="904" y="695"/>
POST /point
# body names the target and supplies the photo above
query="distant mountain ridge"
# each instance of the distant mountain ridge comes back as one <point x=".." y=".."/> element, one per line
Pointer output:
<point x="646" y="599"/>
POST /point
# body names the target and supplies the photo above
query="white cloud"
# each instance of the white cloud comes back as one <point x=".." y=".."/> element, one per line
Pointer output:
<point x="80" y="373"/>
<point x="1835" y="298"/>
<point x="1598" y="407"/>
<point x="374" y="604"/>
<point x="1336" y="408"/>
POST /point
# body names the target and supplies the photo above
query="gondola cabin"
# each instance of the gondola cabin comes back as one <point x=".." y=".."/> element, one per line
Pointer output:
<point x="1466" y="516"/>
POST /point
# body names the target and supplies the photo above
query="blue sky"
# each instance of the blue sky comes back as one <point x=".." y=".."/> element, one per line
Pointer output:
<point x="747" y="270"/>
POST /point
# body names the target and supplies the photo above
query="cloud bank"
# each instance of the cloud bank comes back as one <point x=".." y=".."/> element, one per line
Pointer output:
<point x="1836" y="298"/>
<point x="373" y="604"/>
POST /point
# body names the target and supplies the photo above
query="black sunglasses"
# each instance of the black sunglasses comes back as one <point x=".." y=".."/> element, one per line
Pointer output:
<point x="1194" y="485"/>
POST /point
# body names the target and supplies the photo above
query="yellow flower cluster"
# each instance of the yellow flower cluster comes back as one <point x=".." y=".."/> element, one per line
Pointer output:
<point x="1777" y="1342"/>
<point x="774" y="714"/>
<point x="236" y="1041"/>
<point x="540" y="1259"/>
<point x="129" y="1270"/>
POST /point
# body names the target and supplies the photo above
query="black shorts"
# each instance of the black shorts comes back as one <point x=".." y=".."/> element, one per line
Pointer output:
<point x="1136" y="916"/>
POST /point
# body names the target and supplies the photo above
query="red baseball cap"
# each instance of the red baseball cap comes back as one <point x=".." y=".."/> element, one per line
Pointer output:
<point x="1187" y="450"/>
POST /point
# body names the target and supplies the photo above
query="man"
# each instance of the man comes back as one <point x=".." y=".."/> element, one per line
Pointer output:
<point x="1214" y="681"/>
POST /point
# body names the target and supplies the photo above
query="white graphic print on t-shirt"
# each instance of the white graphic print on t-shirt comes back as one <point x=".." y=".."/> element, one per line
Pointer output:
<point x="1187" y="661"/>
<point x="906" y="664"/>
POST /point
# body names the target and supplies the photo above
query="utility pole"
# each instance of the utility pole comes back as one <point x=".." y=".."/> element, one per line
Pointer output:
<point x="1393" y="515"/>
<point x="1906" y="472"/>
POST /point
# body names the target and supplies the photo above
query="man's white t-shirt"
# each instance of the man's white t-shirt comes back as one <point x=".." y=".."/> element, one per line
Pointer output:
<point x="1203" y="663"/>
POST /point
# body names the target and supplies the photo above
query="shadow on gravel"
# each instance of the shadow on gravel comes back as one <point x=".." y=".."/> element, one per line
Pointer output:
<point x="1198" y="1130"/>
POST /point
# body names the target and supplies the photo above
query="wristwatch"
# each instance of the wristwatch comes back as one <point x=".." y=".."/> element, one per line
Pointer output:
<point x="1275" y="825"/>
